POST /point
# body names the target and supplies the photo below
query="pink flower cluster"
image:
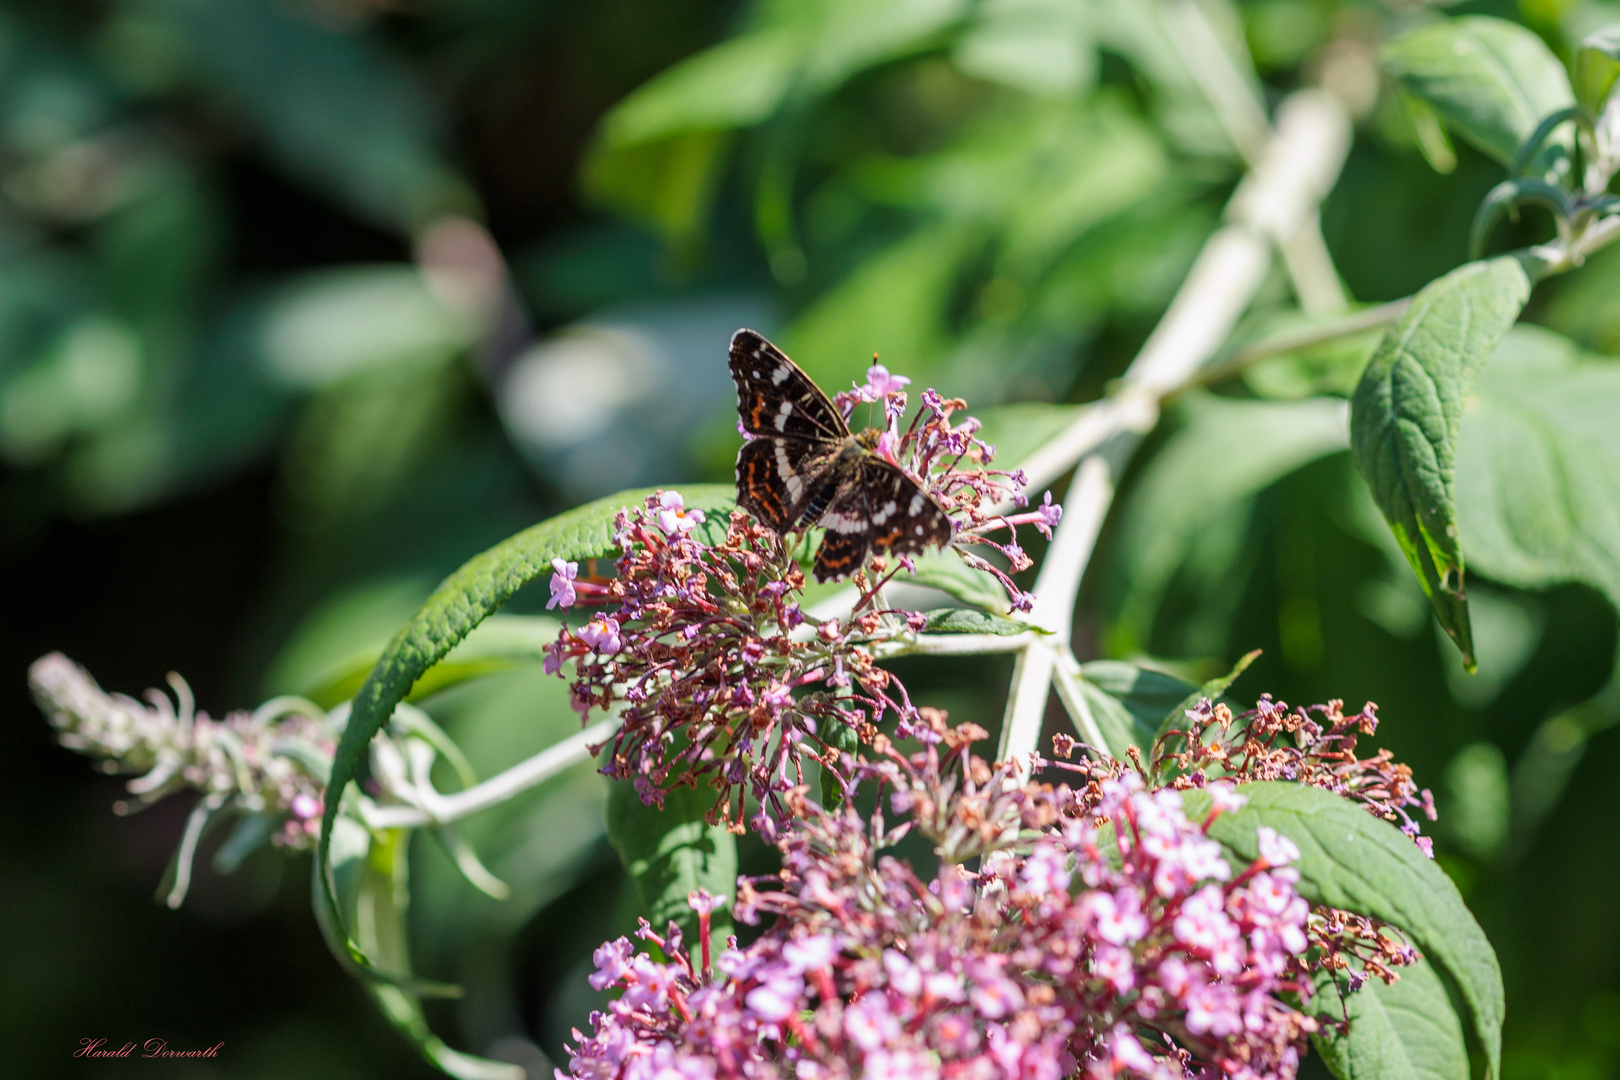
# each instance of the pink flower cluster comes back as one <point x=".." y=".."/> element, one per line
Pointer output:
<point x="1116" y="944"/>
<point x="1313" y="745"/>
<point x="721" y="679"/>
<point x="700" y="652"/>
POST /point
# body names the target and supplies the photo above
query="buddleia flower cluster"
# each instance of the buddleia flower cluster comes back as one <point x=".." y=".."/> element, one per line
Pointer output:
<point x="1313" y="745"/>
<point x="271" y="761"/>
<point x="1102" y="934"/>
<point x="721" y="678"/>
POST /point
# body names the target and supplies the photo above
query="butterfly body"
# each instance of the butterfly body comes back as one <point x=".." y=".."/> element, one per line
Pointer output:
<point x="802" y="466"/>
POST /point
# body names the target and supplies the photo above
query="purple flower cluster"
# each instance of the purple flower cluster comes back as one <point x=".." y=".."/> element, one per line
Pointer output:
<point x="721" y="679"/>
<point x="1106" y="943"/>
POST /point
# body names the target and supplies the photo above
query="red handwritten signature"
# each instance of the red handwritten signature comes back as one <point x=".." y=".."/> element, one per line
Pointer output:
<point x="151" y="1048"/>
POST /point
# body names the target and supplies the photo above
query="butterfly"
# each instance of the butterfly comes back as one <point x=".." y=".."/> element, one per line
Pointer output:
<point x="803" y="467"/>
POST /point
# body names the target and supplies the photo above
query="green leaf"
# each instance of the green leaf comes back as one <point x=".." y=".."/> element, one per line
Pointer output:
<point x="1597" y="63"/>
<point x="1332" y="366"/>
<point x="1491" y="79"/>
<point x="1406" y="1031"/>
<point x="1039" y="46"/>
<point x="672" y="852"/>
<point x="1127" y="702"/>
<point x="383" y="891"/>
<point x="1225" y="451"/>
<point x="1211" y="690"/>
<point x="1405" y="416"/>
<point x="737" y="83"/>
<point x="1352" y="860"/>
<point x="1538" y="472"/>
<point x="848" y="36"/>
<point x="499" y="643"/>
<point x="669" y="184"/>
<point x="894" y="304"/>
<point x="969" y="621"/>
<point x="460" y="603"/>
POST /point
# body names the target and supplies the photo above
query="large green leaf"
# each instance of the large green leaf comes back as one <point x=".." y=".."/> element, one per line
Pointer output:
<point x="1538" y="472"/>
<point x="735" y="84"/>
<point x="670" y="852"/>
<point x="1038" y="46"/>
<point x="1352" y="860"/>
<point x="1406" y="412"/>
<point x="1226" y="451"/>
<point x="464" y="600"/>
<point x="1405" y="1031"/>
<point x="1492" y="79"/>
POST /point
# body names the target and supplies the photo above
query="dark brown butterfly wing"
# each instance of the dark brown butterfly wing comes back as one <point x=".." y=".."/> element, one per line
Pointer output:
<point x="796" y="435"/>
<point x="775" y="398"/>
<point x="779" y="479"/>
<point x="878" y="508"/>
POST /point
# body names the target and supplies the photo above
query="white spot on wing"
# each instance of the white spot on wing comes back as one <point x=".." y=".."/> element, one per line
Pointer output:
<point x="883" y="515"/>
<point x="916" y="507"/>
<point x="843" y="524"/>
<point x="782" y="415"/>
<point x="782" y="372"/>
<point x="785" y="470"/>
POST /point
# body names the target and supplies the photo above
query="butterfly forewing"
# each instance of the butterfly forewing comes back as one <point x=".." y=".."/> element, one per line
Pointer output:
<point x="775" y="398"/>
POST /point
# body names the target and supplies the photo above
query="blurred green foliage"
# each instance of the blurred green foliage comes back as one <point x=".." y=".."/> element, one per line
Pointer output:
<point x="304" y="302"/>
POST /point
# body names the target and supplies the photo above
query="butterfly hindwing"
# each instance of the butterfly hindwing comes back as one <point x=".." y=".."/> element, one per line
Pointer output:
<point x="877" y="508"/>
<point x="779" y="478"/>
<point x="775" y="398"/>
